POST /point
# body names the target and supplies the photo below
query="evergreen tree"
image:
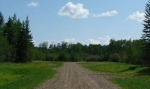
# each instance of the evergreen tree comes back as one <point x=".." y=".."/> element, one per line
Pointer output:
<point x="24" y="43"/>
<point x="21" y="45"/>
<point x="29" y="40"/>
<point x="1" y="22"/>
<point x="146" y="32"/>
<point x="4" y="47"/>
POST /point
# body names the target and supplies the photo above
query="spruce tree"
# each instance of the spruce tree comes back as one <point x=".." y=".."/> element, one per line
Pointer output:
<point x="146" y="33"/>
<point x="1" y="22"/>
<point x="24" y="43"/>
<point x="21" y="45"/>
<point x="29" y="40"/>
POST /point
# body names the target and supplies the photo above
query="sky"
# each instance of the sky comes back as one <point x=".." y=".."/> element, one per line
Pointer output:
<point x="83" y="21"/>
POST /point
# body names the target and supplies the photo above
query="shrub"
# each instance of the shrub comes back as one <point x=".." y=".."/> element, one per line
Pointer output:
<point x="50" y="58"/>
<point x="74" y="58"/>
<point x="62" y="57"/>
<point x="93" y="58"/>
<point x="114" y="57"/>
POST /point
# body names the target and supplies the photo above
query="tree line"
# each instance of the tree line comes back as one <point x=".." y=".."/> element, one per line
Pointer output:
<point x="127" y="51"/>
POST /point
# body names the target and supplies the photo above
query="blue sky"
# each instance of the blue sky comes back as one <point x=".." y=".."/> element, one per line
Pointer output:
<point x="84" y="21"/>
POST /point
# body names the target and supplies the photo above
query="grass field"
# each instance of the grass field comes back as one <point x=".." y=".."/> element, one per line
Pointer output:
<point x="26" y="76"/>
<point x="137" y="77"/>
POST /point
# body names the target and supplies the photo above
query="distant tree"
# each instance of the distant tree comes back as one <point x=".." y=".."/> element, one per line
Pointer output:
<point x="146" y="32"/>
<point x="43" y="47"/>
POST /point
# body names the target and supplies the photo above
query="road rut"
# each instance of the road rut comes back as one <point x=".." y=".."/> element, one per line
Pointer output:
<point x="73" y="76"/>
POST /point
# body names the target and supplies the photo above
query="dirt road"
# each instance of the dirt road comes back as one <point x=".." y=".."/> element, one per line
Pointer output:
<point x="73" y="76"/>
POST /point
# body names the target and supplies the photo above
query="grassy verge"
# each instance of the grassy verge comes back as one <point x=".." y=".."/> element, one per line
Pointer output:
<point x="137" y="77"/>
<point x="26" y="76"/>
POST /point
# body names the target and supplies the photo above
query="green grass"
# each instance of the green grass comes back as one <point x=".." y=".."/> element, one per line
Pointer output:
<point x="26" y="76"/>
<point x="133" y="82"/>
<point x="137" y="77"/>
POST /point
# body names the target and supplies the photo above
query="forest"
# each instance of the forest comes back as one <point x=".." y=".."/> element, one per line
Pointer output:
<point x="16" y="45"/>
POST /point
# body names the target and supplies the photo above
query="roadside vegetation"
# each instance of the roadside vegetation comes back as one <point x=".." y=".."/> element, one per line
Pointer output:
<point x="128" y="76"/>
<point x="26" y="76"/>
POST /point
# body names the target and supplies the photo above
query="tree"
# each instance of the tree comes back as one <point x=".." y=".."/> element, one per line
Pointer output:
<point x="24" y="43"/>
<point x="21" y="45"/>
<point x="10" y="32"/>
<point x="146" y="32"/>
<point x="1" y="22"/>
<point x="29" y="38"/>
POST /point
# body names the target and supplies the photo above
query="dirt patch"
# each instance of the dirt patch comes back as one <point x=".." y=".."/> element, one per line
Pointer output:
<point x="73" y="76"/>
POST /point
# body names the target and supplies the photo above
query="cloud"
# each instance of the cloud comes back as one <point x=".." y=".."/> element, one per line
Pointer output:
<point x="106" y="14"/>
<point x="35" y="43"/>
<point x="105" y="39"/>
<point x="50" y="41"/>
<point x="92" y="41"/>
<point x="137" y="16"/>
<point x="128" y="38"/>
<point x="74" y="11"/>
<point x="33" y="4"/>
<point x="71" y="40"/>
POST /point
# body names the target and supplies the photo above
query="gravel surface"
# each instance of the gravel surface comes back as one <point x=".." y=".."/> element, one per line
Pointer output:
<point x="73" y="76"/>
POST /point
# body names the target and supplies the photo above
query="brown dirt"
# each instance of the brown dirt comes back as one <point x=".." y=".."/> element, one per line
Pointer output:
<point x="73" y="76"/>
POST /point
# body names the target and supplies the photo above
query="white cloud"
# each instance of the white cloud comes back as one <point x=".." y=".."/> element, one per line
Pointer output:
<point x="50" y="41"/>
<point x="92" y="41"/>
<point x="105" y="39"/>
<point x="128" y="38"/>
<point x="106" y="14"/>
<point x="35" y="43"/>
<point x="74" y="11"/>
<point x="71" y="40"/>
<point x="137" y="16"/>
<point x="33" y="4"/>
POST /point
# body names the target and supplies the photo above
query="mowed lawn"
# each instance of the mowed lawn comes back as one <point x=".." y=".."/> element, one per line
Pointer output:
<point x="128" y="76"/>
<point x="26" y="76"/>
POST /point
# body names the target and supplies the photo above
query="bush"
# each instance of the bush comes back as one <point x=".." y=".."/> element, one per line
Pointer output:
<point x="62" y="57"/>
<point x="114" y="57"/>
<point x="50" y="58"/>
<point x="93" y="58"/>
<point x="74" y="58"/>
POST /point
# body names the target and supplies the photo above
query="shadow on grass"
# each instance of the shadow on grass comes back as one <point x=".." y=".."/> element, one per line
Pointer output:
<point x="130" y="68"/>
<point x="145" y="71"/>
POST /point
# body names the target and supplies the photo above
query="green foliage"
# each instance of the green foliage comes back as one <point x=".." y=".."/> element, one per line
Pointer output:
<point x="74" y="57"/>
<point x="50" y="58"/>
<point x="93" y="58"/>
<point x="114" y="57"/>
<point x="4" y="49"/>
<point x="26" y="76"/>
<point x="24" y="44"/>
<point x="16" y="41"/>
<point x="62" y="57"/>
<point x="128" y="51"/>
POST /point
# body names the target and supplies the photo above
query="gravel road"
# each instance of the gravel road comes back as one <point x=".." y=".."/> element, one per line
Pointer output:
<point x="73" y="76"/>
